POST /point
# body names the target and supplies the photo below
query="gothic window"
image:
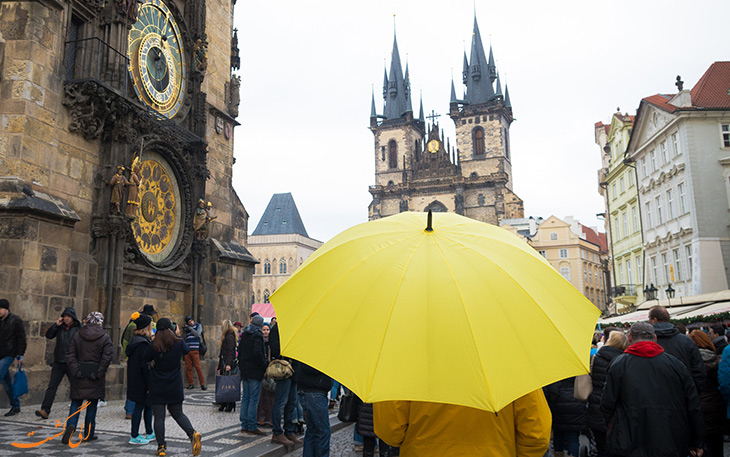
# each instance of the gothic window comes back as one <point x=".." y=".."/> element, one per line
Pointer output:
<point x="258" y="297"/>
<point x="266" y="296"/>
<point x="267" y="267"/>
<point x="478" y="140"/>
<point x="436" y="207"/>
<point x="390" y="183"/>
<point x="392" y="154"/>
<point x="282" y="267"/>
<point x="505" y="137"/>
<point x="253" y="298"/>
<point x="481" y="199"/>
<point x="473" y="174"/>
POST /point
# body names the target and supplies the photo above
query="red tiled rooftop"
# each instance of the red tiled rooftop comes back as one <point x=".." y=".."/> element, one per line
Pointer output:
<point x="711" y="91"/>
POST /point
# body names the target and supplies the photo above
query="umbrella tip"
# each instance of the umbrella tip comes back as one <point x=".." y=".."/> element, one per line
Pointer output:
<point x="429" y="228"/>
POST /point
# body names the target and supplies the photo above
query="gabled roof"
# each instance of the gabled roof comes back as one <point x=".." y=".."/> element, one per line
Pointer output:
<point x="281" y="217"/>
<point x="711" y="91"/>
<point x="597" y="238"/>
<point x="661" y="101"/>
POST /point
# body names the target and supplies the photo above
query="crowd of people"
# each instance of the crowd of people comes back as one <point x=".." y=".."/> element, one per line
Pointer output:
<point x="656" y="390"/>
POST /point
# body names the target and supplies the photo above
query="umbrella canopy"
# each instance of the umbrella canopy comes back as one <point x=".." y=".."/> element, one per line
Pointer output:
<point x="465" y="314"/>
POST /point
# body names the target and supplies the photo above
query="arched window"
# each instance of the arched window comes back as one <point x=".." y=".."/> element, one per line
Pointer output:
<point x="266" y="296"/>
<point x="253" y="298"/>
<point x="436" y="207"/>
<point x="267" y="267"/>
<point x="258" y="296"/>
<point x="392" y="154"/>
<point x="282" y="267"/>
<point x="473" y="174"/>
<point x="478" y="140"/>
<point x="481" y="199"/>
<point x="390" y="184"/>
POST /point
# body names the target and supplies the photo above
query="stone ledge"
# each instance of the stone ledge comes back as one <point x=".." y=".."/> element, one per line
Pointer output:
<point x="17" y="196"/>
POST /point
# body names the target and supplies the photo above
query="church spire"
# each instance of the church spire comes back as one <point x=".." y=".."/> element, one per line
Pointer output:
<point x="491" y="67"/>
<point x="478" y="71"/>
<point x="453" y="92"/>
<point x="499" y="87"/>
<point x="373" y="113"/>
<point x="407" y="87"/>
<point x="396" y="91"/>
<point x="507" y="103"/>
<point x="420" y="111"/>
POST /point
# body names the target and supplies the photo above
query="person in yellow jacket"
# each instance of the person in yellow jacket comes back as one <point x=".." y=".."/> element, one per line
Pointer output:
<point x="423" y="429"/>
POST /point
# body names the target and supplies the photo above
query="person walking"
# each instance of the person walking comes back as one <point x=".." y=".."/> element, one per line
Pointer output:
<point x="63" y="330"/>
<point x="12" y="349"/>
<point x="166" y="385"/>
<point x="90" y="352"/>
<point x="713" y="406"/>
<point x="252" y="363"/>
<point x="285" y="400"/>
<point x="266" y="400"/>
<point x="227" y="357"/>
<point x="313" y="387"/>
<point x="138" y="378"/>
<point x="127" y="334"/>
<point x="613" y="347"/>
<point x="650" y="401"/>
<point x="192" y="334"/>
<point x="569" y="417"/>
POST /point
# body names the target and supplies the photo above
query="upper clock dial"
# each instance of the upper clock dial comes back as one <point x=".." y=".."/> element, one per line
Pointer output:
<point x="433" y="146"/>
<point x="157" y="58"/>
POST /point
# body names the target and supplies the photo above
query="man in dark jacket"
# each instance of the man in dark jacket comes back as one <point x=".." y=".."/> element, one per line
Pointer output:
<point x="678" y="345"/>
<point x="717" y="335"/>
<point x="252" y="363"/>
<point x="313" y="386"/>
<point x="285" y="400"/>
<point x="89" y="355"/>
<point x="12" y="349"/>
<point x="63" y="330"/>
<point x="650" y="401"/>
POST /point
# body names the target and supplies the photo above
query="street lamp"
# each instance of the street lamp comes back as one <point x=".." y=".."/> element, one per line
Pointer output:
<point x="670" y="291"/>
<point x="650" y="292"/>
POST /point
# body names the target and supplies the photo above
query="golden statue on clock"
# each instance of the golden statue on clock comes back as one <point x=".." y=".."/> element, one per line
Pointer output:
<point x="157" y="58"/>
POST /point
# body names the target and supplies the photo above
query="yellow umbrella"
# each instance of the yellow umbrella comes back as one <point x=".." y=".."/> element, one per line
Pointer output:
<point x="465" y="313"/>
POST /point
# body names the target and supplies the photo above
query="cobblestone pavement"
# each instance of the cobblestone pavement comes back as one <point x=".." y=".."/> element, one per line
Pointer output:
<point x="341" y="444"/>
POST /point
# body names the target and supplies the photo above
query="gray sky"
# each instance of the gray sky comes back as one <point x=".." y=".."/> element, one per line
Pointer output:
<point x="308" y="69"/>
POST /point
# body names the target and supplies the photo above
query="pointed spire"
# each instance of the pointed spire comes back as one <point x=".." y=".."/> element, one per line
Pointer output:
<point x="373" y="113"/>
<point x="420" y="111"/>
<point x="465" y="71"/>
<point x="453" y="92"/>
<point x="498" y="92"/>
<point x="478" y="79"/>
<point x="507" y="103"/>
<point x="385" y="81"/>
<point x="407" y="87"/>
<point x="491" y="67"/>
<point x="397" y="93"/>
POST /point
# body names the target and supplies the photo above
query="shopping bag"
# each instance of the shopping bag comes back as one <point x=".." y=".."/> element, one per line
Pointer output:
<point x="227" y="388"/>
<point x="20" y="382"/>
<point x="349" y="404"/>
<point x="583" y="387"/>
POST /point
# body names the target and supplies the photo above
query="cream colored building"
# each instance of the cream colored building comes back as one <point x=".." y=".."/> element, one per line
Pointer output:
<point x="566" y="245"/>
<point x="280" y="243"/>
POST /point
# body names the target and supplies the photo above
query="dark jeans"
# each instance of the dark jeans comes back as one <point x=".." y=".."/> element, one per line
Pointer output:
<point x="58" y="371"/>
<point x="177" y="414"/>
<point x="566" y="440"/>
<point x="5" y="364"/>
<point x="285" y="401"/>
<point x="139" y="408"/>
<point x="317" y="438"/>
<point x="249" y="403"/>
<point x="89" y="420"/>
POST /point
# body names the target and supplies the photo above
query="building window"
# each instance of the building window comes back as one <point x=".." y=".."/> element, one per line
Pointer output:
<point x="682" y="202"/>
<point x="563" y="253"/>
<point x="543" y="253"/>
<point x="648" y="215"/>
<point x="663" y="148"/>
<point x="631" y="179"/>
<point x="625" y="219"/>
<point x="653" y="270"/>
<point x="565" y="271"/>
<point x="266" y="296"/>
<point x="644" y="173"/>
<point x="629" y="274"/>
<point x="725" y="135"/>
<point x="282" y="267"/>
<point x="652" y="159"/>
<point x="392" y="154"/>
<point x="621" y="185"/>
<point x="677" y="265"/>
<point x="621" y="273"/>
<point x="480" y="199"/>
<point x="613" y="188"/>
<point x="638" y="269"/>
<point x="635" y="216"/>
<point x="553" y="236"/>
<point x="675" y="144"/>
<point x="659" y="213"/>
<point x="505" y="136"/>
<point x="267" y="267"/>
<point x="688" y="254"/>
<point x="478" y="141"/>
<point x="616" y="228"/>
<point x="665" y="265"/>
<point x="670" y="205"/>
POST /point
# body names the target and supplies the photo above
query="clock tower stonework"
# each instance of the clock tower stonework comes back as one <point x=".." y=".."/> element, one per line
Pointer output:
<point x="417" y="169"/>
<point x="116" y="155"/>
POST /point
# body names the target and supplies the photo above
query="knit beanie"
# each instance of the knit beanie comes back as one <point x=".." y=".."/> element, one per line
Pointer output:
<point x="95" y="317"/>
<point x="4" y="303"/>
<point x="163" y="324"/>
<point x="141" y="320"/>
<point x="258" y="321"/>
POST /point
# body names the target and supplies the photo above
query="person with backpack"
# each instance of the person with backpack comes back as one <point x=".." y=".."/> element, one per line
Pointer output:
<point x="138" y="379"/>
<point x="127" y="335"/>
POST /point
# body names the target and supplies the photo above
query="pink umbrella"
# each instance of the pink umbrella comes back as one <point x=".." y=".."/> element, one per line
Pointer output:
<point x="264" y="309"/>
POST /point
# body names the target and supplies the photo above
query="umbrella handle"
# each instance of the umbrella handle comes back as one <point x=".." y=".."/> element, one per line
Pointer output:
<point x="429" y="228"/>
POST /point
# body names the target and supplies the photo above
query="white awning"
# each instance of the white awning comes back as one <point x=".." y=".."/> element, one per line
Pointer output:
<point x="643" y="315"/>
<point x="707" y="310"/>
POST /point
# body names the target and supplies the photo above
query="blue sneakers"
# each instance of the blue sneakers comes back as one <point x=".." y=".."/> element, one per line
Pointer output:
<point x="150" y="437"/>
<point x="138" y="440"/>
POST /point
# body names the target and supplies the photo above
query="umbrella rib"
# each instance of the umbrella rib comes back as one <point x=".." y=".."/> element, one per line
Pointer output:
<point x="517" y="283"/>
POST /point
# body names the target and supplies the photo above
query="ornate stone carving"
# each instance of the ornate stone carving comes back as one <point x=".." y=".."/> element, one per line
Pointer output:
<point x="234" y="95"/>
<point x="200" y="55"/>
<point x="89" y="105"/>
<point x="235" y="53"/>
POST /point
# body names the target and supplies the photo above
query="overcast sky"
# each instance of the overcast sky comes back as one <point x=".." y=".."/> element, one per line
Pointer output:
<point x="308" y="69"/>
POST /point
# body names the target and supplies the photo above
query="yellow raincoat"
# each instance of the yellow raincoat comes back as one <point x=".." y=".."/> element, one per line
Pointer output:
<point x="422" y="429"/>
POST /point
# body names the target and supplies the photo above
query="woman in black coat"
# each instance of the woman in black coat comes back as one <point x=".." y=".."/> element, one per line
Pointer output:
<point x="613" y="347"/>
<point x="166" y="384"/>
<point x="228" y="356"/>
<point x="89" y="354"/>
<point x="569" y="416"/>
<point x="365" y="426"/>
<point x="138" y="378"/>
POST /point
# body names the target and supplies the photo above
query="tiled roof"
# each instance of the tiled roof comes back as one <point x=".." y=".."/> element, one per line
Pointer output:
<point x="599" y="239"/>
<point x="661" y="101"/>
<point x="712" y="90"/>
<point x="281" y="217"/>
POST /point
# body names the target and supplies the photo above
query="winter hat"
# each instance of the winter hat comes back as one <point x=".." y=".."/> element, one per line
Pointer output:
<point x="237" y="324"/>
<point x="69" y="311"/>
<point x="188" y="318"/>
<point x="258" y="321"/>
<point x="253" y="314"/>
<point x="95" y="317"/>
<point x="141" y="320"/>
<point x="266" y="325"/>
<point x="148" y="310"/>
<point x="163" y="324"/>
<point x="4" y="303"/>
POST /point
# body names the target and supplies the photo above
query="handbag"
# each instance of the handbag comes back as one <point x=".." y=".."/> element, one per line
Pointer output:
<point x="349" y="405"/>
<point x="203" y="346"/>
<point x="20" y="382"/>
<point x="583" y="385"/>
<point x="227" y="388"/>
<point x="279" y="369"/>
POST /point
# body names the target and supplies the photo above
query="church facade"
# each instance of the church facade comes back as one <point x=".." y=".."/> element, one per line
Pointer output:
<point x="417" y="169"/>
<point x="116" y="156"/>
